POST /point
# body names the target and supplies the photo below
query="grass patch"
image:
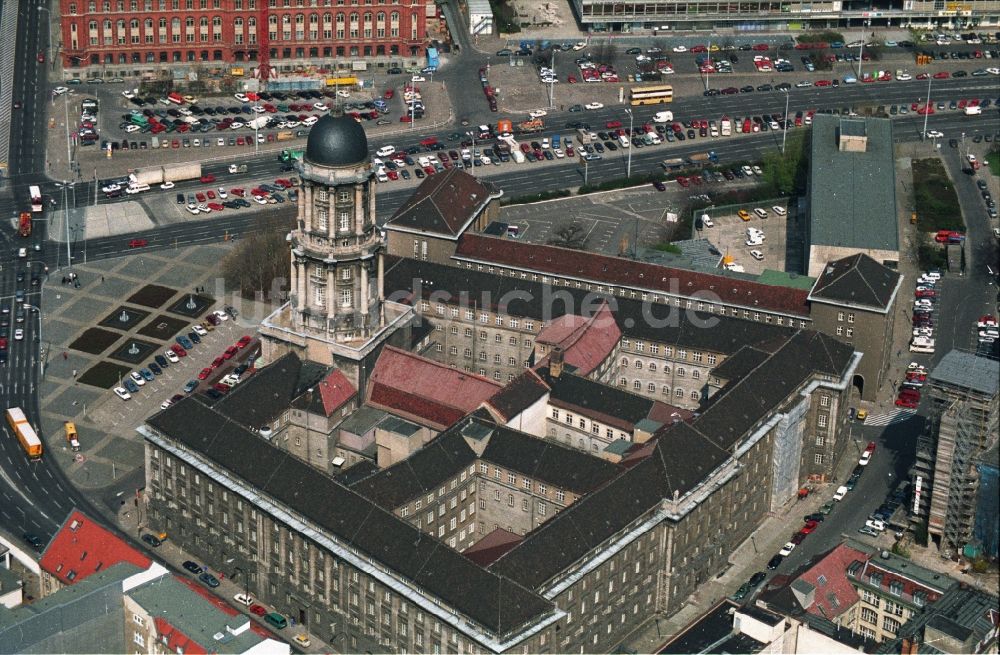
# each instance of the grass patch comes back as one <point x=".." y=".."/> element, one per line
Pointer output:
<point x="94" y="341"/>
<point x="994" y="159"/>
<point x="667" y="247"/>
<point x="163" y="328"/>
<point x="535" y="197"/>
<point x="152" y="295"/>
<point x="104" y="375"/>
<point x="931" y="255"/>
<point x="935" y="198"/>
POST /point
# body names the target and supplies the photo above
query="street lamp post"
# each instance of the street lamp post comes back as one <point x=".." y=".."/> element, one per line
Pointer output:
<point x="927" y="114"/>
<point x="628" y="166"/>
<point x="784" y="132"/>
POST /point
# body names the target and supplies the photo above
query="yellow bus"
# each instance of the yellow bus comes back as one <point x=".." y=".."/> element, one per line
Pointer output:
<point x="651" y="95"/>
<point x="25" y="434"/>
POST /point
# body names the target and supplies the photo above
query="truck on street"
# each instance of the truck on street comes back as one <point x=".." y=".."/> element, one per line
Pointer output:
<point x="529" y="126"/>
<point x="237" y="168"/>
<point x="168" y="173"/>
<point x="703" y="158"/>
<point x="258" y="123"/>
<point x="24" y="224"/>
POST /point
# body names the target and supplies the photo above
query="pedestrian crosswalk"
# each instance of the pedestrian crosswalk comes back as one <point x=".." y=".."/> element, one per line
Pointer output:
<point x="891" y="418"/>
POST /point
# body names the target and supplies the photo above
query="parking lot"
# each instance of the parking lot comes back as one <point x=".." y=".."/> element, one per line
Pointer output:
<point x="783" y="244"/>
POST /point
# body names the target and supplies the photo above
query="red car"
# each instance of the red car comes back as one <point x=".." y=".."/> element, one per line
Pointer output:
<point x="871" y="447"/>
<point x="218" y="361"/>
<point x="760" y="47"/>
<point x="41" y="57"/>
<point x="258" y="610"/>
<point x="925" y="293"/>
<point x="205" y="372"/>
<point x="907" y="402"/>
<point x="210" y="194"/>
<point x="698" y="48"/>
<point x="138" y="243"/>
<point x="230" y="352"/>
<point x="244" y="341"/>
<point x="238" y="192"/>
<point x="208" y="178"/>
<point x="809" y="527"/>
<point x="180" y="352"/>
<point x="283" y="183"/>
<point x="823" y="83"/>
<point x="388" y="95"/>
<point x="221" y="388"/>
<point x="200" y="197"/>
<point x="3" y="343"/>
<point x="942" y="75"/>
<point x="683" y="181"/>
<point x="613" y="124"/>
<point x="216" y="207"/>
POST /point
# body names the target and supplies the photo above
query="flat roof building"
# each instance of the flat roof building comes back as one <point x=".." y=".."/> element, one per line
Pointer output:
<point x="852" y="191"/>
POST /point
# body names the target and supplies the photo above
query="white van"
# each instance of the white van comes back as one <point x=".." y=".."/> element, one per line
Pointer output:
<point x="137" y="188"/>
<point x="973" y="111"/>
<point x="663" y="117"/>
<point x="706" y="221"/>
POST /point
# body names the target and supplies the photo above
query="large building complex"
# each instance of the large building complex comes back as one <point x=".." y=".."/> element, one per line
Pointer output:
<point x="597" y="465"/>
<point x="757" y="15"/>
<point x="181" y="37"/>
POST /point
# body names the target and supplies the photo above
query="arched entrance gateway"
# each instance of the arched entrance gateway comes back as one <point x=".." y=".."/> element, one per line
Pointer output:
<point x="858" y="382"/>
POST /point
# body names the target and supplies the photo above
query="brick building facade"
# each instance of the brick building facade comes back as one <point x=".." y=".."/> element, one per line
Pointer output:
<point x="137" y="36"/>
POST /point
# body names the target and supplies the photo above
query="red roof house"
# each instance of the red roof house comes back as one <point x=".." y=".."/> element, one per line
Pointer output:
<point x="83" y="547"/>
<point x="425" y="391"/>
<point x="586" y="341"/>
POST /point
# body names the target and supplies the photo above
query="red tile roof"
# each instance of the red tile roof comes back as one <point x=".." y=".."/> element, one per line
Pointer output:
<point x="586" y="341"/>
<point x="83" y="547"/>
<point x="834" y="592"/>
<point x="426" y="389"/>
<point x="413" y="406"/>
<point x="177" y="641"/>
<point x="335" y="390"/>
<point x="492" y="547"/>
<point x="599" y="268"/>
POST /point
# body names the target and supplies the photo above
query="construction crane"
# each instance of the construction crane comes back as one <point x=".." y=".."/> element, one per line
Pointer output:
<point x="265" y="71"/>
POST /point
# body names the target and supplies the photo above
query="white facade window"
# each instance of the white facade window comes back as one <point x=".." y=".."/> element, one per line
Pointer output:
<point x="346" y="297"/>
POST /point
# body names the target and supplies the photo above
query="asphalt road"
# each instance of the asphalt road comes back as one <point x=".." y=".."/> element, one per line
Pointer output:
<point x="35" y="497"/>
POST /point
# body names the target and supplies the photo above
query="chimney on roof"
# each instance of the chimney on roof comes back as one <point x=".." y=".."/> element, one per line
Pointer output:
<point x="556" y="362"/>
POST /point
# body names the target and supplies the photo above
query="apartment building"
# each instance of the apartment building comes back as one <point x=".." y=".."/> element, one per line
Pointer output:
<point x="963" y="428"/>
<point x="771" y="15"/>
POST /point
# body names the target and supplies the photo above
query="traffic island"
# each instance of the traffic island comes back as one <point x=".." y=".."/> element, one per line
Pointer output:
<point x="163" y="328"/>
<point x="192" y="305"/>
<point x="152" y="295"/>
<point x="104" y="375"/>
<point x="94" y="341"/>
<point x="134" y="351"/>
<point x="124" y="318"/>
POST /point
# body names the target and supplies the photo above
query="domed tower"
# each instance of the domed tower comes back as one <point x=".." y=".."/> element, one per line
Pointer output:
<point x="336" y="286"/>
<point x="336" y="313"/>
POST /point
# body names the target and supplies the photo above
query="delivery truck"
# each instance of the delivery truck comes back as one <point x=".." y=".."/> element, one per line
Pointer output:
<point x="160" y="174"/>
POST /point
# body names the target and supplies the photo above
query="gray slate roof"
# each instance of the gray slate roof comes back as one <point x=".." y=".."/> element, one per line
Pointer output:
<point x="852" y="194"/>
<point x="498" y="604"/>
<point x="965" y="370"/>
<point x="269" y="392"/>
<point x="527" y="299"/>
<point x="857" y="280"/>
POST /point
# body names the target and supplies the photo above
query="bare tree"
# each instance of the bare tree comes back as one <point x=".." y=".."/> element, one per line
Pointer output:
<point x="568" y="235"/>
<point x="258" y="260"/>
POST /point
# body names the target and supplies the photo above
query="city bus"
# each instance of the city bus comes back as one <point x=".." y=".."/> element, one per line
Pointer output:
<point x="36" y="198"/>
<point x="25" y="434"/>
<point x="651" y="95"/>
